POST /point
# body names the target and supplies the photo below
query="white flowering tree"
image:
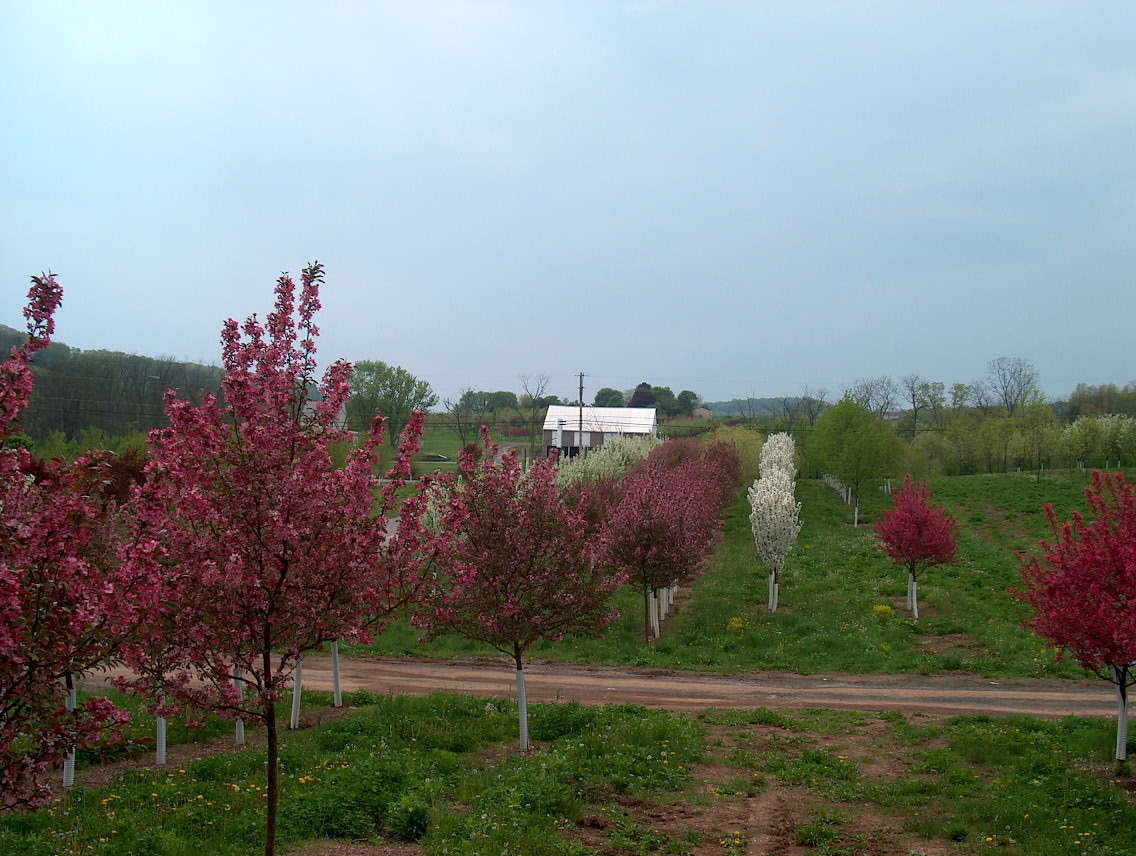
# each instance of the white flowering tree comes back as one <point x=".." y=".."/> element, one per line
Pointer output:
<point x="775" y="512"/>
<point x="1118" y="439"/>
<point x="775" y="480"/>
<point x="1081" y="439"/>
<point x="609" y="461"/>
<point x="779" y="455"/>
<point x="1108" y="439"/>
<point x="775" y="519"/>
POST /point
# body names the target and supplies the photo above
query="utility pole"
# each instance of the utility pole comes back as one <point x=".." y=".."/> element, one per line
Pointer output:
<point x="580" y="433"/>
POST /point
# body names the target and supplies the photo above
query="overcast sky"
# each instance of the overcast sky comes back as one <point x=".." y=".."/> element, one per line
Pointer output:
<point x="738" y="198"/>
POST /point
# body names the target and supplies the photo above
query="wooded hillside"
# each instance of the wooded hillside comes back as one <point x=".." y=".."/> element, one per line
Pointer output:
<point x="107" y="391"/>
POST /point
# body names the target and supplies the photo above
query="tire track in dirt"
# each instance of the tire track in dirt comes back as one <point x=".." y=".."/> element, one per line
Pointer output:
<point x="932" y="694"/>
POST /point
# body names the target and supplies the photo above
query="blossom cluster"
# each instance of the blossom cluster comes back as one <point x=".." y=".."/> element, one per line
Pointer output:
<point x="611" y="461"/>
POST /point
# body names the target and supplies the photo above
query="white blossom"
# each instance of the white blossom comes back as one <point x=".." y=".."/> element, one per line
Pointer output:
<point x="775" y="520"/>
<point x="611" y="460"/>
<point x="1111" y="437"/>
<point x="779" y="455"/>
<point x="773" y="480"/>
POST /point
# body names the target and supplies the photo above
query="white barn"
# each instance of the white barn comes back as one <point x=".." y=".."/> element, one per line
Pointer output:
<point x="570" y="428"/>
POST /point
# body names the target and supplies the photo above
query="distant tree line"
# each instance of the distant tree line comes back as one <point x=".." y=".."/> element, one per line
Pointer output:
<point x="662" y="398"/>
<point x="108" y="393"/>
<point x="999" y="423"/>
<point x="1107" y="398"/>
<point x="523" y="413"/>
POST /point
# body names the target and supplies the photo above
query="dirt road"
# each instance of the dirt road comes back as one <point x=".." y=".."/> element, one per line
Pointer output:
<point x="937" y="694"/>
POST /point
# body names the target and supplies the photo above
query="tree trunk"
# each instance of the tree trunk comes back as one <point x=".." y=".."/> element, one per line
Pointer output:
<point x="297" y="692"/>
<point x="239" y="684"/>
<point x="69" y="763"/>
<point x="160" y="725"/>
<point x="337" y="691"/>
<point x="646" y="613"/>
<point x="272" y="792"/>
<point x="1120" y="674"/>
<point x="522" y="699"/>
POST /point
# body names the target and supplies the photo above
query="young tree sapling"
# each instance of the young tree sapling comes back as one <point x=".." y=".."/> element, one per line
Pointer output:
<point x="67" y="604"/>
<point x="917" y="534"/>
<point x="661" y="528"/>
<point x="516" y="565"/>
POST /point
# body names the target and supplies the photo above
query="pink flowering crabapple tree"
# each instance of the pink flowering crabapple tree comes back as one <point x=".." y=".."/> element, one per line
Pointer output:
<point x="265" y="549"/>
<point x="63" y="594"/>
<point x="516" y="564"/>
<point x="1083" y="588"/>
<point x="661" y="527"/>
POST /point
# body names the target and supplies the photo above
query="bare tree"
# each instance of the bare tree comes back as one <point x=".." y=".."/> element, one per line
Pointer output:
<point x="460" y="413"/>
<point x="747" y="408"/>
<point x="982" y="397"/>
<point x="877" y="395"/>
<point x="1012" y="380"/>
<point x="926" y="396"/>
<point x="789" y="408"/>
<point x="813" y="403"/>
<point x="531" y="404"/>
<point x="912" y="386"/>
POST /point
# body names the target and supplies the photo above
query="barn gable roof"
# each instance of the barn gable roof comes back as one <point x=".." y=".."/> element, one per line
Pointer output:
<point x="609" y="420"/>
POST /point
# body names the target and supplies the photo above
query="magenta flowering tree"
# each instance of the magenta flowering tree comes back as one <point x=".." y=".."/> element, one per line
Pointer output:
<point x="724" y="462"/>
<point x="517" y="565"/>
<point x="1083" y="588"/>
<point x="65" y="601"/>
<point x="661" y="529"/>
<point x="265" y="548"/>
<point x="917" y="533"/>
